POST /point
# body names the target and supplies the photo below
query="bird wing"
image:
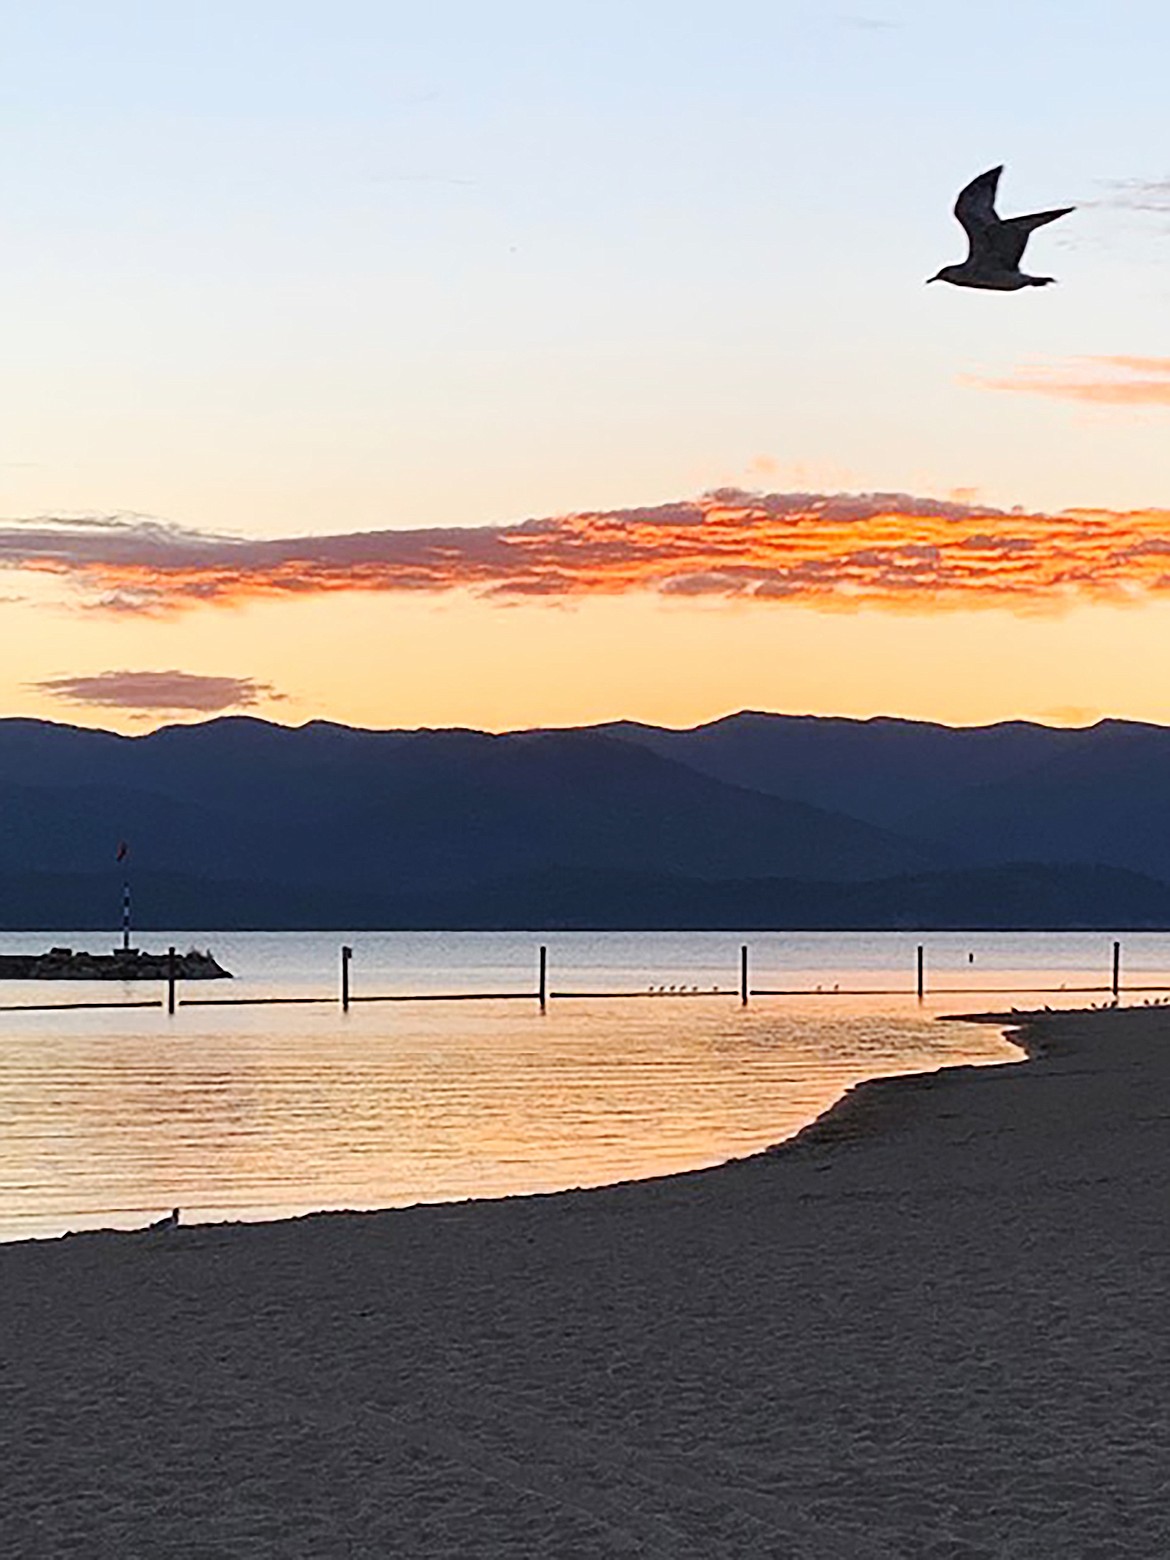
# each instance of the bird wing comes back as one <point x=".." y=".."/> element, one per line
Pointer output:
<point x="1009" y="239"/>
<point x="975" y="207"/>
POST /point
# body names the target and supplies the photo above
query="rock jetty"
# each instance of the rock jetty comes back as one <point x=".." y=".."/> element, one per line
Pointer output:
<point x="121" y="964"/>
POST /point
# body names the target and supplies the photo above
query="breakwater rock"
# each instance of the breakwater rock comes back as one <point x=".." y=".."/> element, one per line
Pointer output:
<point x="121" y="964"/>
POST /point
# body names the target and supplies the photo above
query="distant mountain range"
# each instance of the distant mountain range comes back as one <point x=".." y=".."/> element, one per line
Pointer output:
<point x="753" y="821"/>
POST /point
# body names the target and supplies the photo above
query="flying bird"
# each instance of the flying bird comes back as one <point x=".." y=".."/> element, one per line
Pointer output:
<point x="995" y="244"/>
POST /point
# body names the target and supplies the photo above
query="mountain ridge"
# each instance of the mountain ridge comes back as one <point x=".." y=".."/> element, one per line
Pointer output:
<point x="433" y="821"/>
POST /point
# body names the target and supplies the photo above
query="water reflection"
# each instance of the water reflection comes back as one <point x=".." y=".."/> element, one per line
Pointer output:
<point x="111" y="1116"/>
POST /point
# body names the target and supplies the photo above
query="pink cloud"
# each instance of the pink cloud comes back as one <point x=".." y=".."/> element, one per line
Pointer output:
<point x="169" y="690"/>
<point x="1105" y="381"/>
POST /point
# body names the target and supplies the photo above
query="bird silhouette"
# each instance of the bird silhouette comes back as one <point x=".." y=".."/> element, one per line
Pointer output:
<point x="995" y="245"/>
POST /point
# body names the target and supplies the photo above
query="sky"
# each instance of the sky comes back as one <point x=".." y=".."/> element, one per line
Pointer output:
<point x="524" y="365"/>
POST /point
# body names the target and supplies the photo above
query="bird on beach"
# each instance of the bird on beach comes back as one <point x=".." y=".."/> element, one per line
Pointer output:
<point x="168" y="1223"/>
<point x="995" y="245"/>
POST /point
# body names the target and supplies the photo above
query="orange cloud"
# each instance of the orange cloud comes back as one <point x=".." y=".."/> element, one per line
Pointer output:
<point x="1107" y="381"/>
<point x="890" y="550"/>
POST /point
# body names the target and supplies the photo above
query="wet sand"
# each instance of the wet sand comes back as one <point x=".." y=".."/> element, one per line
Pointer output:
<point x="933" y="1325"/>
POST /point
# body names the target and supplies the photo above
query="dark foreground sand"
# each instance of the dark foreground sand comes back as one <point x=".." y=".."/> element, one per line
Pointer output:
<point x="936" y="1326"/>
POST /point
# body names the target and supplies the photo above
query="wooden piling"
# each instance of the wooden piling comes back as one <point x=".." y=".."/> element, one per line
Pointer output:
<point x="921" y="972"/>
<point x="170" y="980"/>
<point x="1116" y="970"/>
<point x="743" y="976"/>
<point x="346" y="956"/>
<point x="542" y="990"/>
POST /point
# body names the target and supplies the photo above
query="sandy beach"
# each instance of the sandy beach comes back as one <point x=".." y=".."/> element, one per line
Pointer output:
<point x="933" y="1325"/>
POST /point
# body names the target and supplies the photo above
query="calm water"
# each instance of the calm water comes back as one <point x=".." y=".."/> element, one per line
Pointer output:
<point x="110" y="1117"/>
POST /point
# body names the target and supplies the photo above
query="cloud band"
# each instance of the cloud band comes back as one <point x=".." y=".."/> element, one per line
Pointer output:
<point x="890" y="550"/>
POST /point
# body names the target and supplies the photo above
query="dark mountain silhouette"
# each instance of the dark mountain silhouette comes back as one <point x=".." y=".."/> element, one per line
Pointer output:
<point x="983" y="795"/>
<point x="1105" y="799"/>
<point x="755" y="820"/>
<point x="239" y="798"/>
<point x="884" y="770"/>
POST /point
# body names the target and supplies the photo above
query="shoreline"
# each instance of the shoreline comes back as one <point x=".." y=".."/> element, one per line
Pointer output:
<point x="928" y="1323"/>
<point x="865" y="1107"/>
<point x="244" y="1215"/>
<point x="859" y="1111"/>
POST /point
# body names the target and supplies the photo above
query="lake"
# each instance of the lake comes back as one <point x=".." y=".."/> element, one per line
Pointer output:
<point x="109" y="1117"/>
